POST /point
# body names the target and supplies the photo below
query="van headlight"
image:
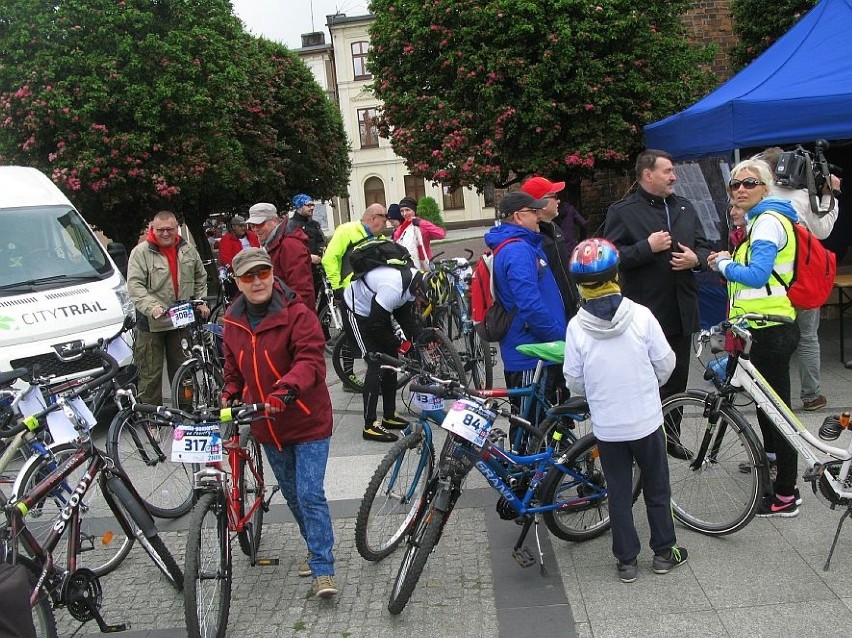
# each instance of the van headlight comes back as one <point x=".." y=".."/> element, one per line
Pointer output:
<point x="124" y="299"/>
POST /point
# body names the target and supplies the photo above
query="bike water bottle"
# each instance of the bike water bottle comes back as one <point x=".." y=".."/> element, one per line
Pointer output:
<point x="719" y="368"/>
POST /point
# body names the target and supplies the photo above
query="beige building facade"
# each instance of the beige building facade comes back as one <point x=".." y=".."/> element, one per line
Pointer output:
<point x="378" y="174"/>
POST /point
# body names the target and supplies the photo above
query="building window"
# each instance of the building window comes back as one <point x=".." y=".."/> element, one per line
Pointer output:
<point x="453" y="197"/>
<point x="359" y="60"/>
<point x="415" y="187"/>
<point x="367" y="128"/>
<point x="374" y="192"/>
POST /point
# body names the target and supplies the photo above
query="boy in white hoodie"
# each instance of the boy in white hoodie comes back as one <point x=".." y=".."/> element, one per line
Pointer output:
<point x="617" y="356"/>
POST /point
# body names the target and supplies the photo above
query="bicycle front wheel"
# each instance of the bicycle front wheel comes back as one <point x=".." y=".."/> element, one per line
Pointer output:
<point x="102" y="543"/>
<point x="440" y="357"/>
<point x="584" y="511"/>
<point x="141" y="526"/>
<point x="420" y="545"/>
<point x="197" y="385"/>
<point x="479" y="361"/>
<point x="142" y="448"/>
<point x="44" y="620"/>
<point x="251" y="492"/>
<point x="393" y="497"/>
<point x="719" y="492"/>
<point x="208" y="569"/>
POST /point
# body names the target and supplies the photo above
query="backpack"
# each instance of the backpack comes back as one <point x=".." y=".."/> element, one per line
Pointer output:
<point x="373" y="252"/>
<point x="814" y="268"/>
<point x="491" y="322"/>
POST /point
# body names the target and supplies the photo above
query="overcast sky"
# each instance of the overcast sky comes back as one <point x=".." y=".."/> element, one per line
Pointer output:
<point x="286" y="20"/>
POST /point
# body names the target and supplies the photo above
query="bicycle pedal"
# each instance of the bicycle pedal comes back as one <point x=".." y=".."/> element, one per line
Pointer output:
<point x="523" y="557"/>
<point x="267" y="562"/>
<point x="114" y="629"/>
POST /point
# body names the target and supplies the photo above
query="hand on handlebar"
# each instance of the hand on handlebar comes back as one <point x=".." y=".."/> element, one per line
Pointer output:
<point x="281" y="398"/>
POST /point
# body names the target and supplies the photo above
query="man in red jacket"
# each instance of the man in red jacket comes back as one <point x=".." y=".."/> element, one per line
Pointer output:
<point x="236" y="239"/>
<point x="291" y="259"/>
<point x="274" y="354"/>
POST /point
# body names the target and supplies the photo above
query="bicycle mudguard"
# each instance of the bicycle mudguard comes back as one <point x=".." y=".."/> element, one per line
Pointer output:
<point x="113" y="488"/>
<point x="552" y="351"/>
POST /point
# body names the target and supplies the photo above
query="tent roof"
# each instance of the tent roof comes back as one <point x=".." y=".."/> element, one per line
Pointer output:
<point x="798" y="90"/>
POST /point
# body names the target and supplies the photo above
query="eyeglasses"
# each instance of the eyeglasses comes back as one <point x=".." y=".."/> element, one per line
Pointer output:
<point x="748" y="183"/>
<point x="551" y="196"/>
<point x="534" y="211"/>
<point x="263" y="275"/>
<point x="167" y="229"/>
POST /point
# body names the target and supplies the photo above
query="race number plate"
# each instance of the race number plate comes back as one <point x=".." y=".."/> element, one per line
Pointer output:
<point x="181" y="315"/>
<point x="427" y="402"/>
<point x="197" y="443"/>
<point x="62" y="427"/>
<point x="469" y="420"/>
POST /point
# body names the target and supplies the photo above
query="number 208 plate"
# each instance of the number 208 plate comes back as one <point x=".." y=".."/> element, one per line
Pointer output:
<point x="197" y="443"/>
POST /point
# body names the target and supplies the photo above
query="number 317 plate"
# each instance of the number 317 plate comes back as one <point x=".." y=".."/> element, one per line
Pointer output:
<point x="197" y="443"/>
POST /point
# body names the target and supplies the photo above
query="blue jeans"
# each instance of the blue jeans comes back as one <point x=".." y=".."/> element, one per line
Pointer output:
<point x="300" y="471"/>
<point x="809" y="354"/>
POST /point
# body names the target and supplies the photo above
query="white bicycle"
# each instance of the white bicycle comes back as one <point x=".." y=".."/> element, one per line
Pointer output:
<point x="711" y="493"/>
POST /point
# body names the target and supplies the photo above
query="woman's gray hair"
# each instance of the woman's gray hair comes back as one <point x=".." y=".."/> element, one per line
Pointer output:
<point x="755" y="166"/>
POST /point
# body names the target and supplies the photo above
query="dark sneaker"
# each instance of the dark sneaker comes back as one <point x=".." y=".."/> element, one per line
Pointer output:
<point x="663" y="564"/>
<point x="395" y="423"/>
<point x="357" y="382"/>
<point x="773" y="507"/>
<point x="676" y="450"/>
<point x="627" y="571"/>
<point x="815" y="404"/>
<point x="325" y="587"/>
<point x="376" y="432"/>
<point x="798" y="496"/>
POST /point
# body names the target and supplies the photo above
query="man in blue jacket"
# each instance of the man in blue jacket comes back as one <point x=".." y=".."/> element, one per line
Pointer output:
<point x="527" y="289"/>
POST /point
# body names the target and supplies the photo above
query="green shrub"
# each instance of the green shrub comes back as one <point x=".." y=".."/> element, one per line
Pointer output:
<point x="427" y="208"/>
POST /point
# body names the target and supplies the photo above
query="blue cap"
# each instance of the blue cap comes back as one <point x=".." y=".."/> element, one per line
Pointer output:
<point x="302" y="199"/>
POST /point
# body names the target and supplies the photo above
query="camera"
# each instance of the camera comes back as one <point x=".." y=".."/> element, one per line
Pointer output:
<point x="800" y="169"/>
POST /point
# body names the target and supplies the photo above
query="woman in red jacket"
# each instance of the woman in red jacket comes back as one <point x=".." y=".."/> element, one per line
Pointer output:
<point x="274" y="354"/>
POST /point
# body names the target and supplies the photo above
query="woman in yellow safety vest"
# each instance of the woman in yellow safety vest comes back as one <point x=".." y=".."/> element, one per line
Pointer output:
<point x="758" y="273"/>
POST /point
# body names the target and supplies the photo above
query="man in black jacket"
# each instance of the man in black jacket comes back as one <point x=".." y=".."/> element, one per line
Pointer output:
<point x="661" y="243"/>
<point x="553" y="240"/>
<point x="303" y="218"/>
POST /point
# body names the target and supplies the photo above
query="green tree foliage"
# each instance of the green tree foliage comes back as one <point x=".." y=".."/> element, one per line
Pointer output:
<point x="427" y="208"/>
<point x="136" y="105"/>
<point x="759" y="23"/>
<point x="480" y="91"/>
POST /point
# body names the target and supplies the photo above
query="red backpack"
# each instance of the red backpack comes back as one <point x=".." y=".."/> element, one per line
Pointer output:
<point x="490" y="319"/>
<point x="814" y="268"/>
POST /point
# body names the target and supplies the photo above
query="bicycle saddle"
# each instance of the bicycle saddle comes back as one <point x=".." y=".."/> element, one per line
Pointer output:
<point x="553" y="351"/>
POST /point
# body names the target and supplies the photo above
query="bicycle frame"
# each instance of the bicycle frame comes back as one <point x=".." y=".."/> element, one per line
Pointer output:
<point x="747" y="377"/>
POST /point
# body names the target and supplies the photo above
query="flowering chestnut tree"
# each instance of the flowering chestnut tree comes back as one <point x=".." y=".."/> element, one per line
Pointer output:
<point x="486" y="91"/>
<point x="759" y="23"/>
<point x="136" y="105"/>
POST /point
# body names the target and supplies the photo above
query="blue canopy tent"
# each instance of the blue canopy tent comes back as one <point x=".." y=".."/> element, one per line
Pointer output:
<point x="798" y="90"/>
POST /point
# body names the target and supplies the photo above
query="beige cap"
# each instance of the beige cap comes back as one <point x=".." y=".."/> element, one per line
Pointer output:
<point x="250" y="258"/>
<point x="262" y="212"/>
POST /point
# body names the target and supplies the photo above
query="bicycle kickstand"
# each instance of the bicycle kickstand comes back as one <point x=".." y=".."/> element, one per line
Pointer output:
<point x="520" y="553"/>
<point x="538" y="545"/>
<point x="836" y="536"/>
<point x="266" y="503"/>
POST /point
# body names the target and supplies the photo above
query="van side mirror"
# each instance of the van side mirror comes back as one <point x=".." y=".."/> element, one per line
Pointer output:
<point x="119" y="255"/>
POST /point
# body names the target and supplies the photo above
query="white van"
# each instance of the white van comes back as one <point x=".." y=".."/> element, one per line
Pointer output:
<point x="57" y="283"/>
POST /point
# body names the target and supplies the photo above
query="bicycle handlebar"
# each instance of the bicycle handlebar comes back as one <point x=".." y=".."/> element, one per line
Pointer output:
<point x="240" y="414"/>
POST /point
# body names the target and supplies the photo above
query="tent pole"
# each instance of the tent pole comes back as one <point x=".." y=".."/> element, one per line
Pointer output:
<point x="736" y="156"/>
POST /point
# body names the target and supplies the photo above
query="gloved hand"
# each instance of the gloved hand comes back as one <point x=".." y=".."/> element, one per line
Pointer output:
<point x="227" y="399"/>
<point x="415" y="221"/>
<point x="403" y="348"/>
<point x="338" y="295"/>
<point x="280" y="398"/>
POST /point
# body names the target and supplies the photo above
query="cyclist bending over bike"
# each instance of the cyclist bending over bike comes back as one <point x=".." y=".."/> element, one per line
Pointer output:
<point x="274" y="354"/>
<point x="617" y="356"/>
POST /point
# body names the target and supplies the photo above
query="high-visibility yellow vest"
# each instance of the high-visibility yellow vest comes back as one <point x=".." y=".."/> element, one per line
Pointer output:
<point x="771" y="298"/>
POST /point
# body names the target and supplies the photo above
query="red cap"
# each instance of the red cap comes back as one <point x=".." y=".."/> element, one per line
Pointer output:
<point x="538" y="187"/>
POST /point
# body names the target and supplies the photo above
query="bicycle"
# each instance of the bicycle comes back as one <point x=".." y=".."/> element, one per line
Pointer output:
<point x="710" y="492"/>
<point x="433" y="349"/>
<point x="329" y="314"/>
<point x="198" y="381"/>
<point x="457" y="322"/>
<point x="394" y="491"/>
<point x="227" y="292"/>
<point x="77" y="588"/>
<point x="567" y="489"/>
<point x="230" y="499"/>
<point x="102" y="543"/>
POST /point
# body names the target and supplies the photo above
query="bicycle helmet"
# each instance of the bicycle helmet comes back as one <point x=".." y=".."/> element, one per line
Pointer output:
<point x="436" y="287"/>
<point x="301" y="199"/>
<point x="594" y="260"/>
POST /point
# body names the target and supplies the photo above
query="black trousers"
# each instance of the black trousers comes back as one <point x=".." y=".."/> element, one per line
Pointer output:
<point x="373" y="335"/>
<point x="682" y="347"/>
<point x="771" y="351"/>
<point x="617" y="462"/>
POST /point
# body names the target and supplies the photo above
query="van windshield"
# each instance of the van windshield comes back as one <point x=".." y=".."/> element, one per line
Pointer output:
<point x="50" y="247"/>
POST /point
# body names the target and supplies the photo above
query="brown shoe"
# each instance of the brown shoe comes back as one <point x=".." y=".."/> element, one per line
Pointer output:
<point x="815" y="404"/>
<point x="325" y="587"/>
